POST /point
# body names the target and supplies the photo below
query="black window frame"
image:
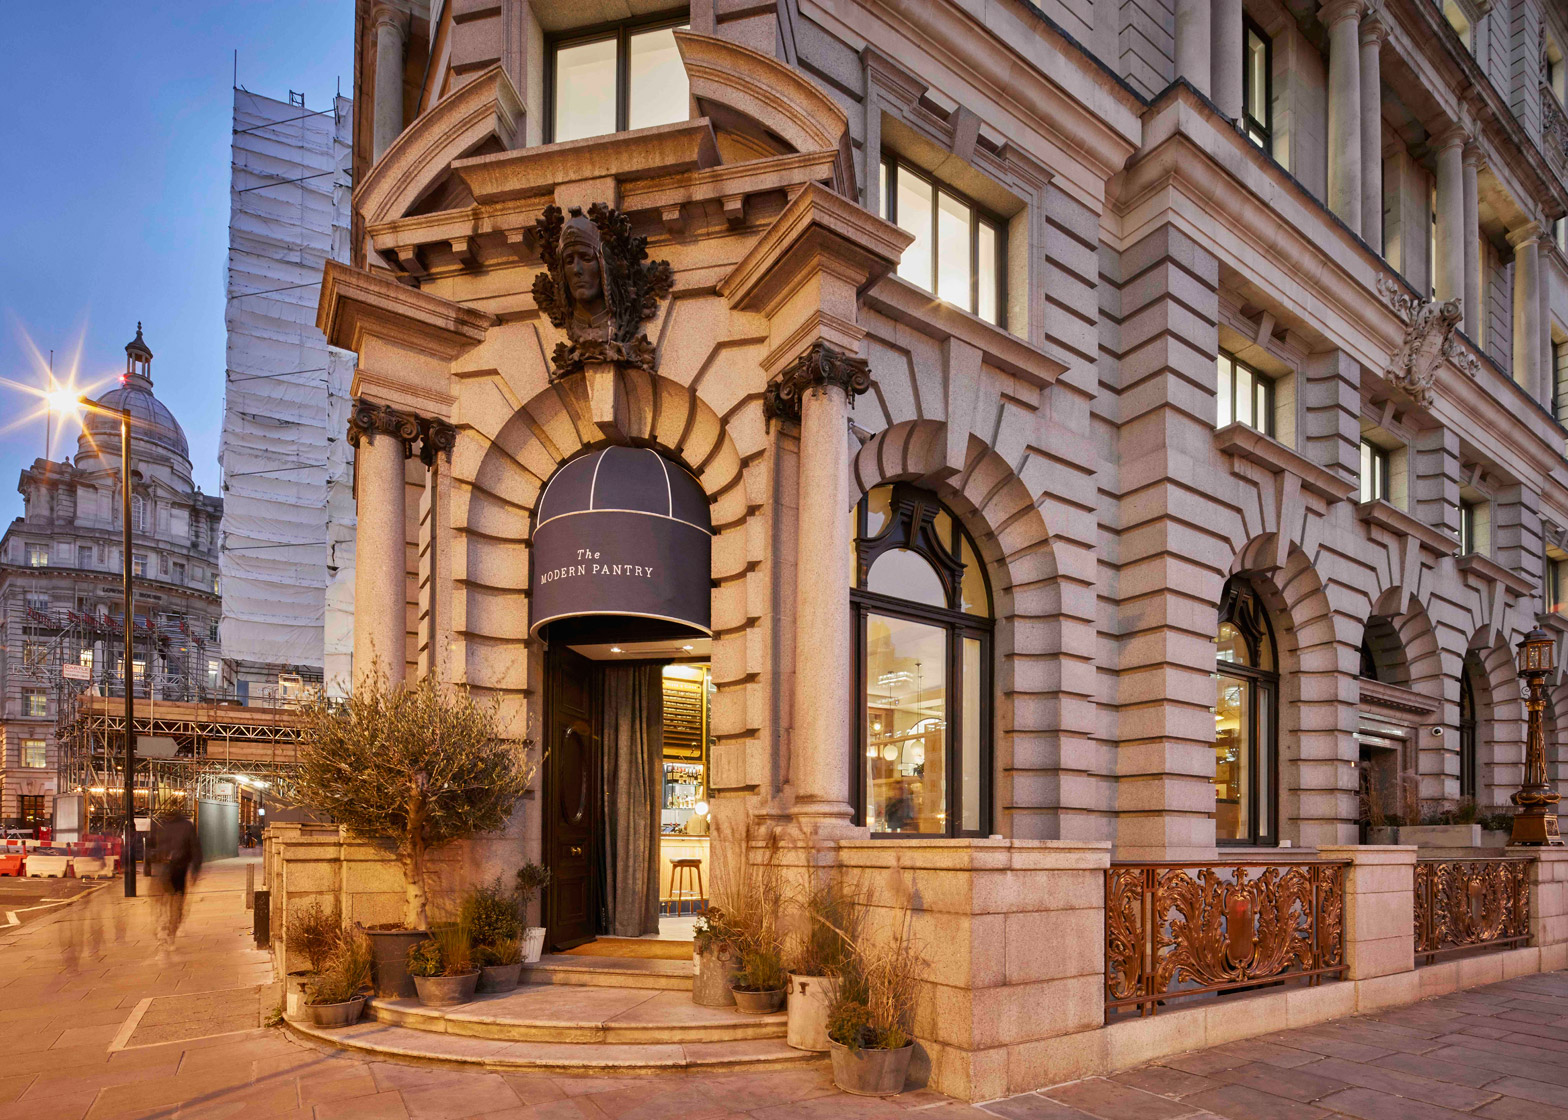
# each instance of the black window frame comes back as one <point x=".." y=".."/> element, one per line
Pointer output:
<point x="890" y="169"/>
<point x="1241" y="606"/>
<point x="1468" y="764"/>
<point x="1551" y="581"/>
<point x="1259" y="130"/>
<point x="913" y="507"/>
<point x="1261" y="381"/>
<point x="621" y="31"/>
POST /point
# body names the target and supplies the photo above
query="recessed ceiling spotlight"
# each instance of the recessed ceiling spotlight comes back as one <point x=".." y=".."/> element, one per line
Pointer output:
<point x="686" y="648"/>
<point x="616" y="649"/>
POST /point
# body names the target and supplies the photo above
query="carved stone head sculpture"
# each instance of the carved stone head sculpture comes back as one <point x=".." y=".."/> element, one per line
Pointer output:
<point x="598" y="286"/>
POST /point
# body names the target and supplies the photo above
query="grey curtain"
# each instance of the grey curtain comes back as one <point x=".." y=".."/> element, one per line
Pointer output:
<point x="633" y="797"/>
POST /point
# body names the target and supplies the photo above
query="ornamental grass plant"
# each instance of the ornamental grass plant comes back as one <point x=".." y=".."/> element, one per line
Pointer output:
<point x="345" y="974"/>
<point x="315" y="933"/>
<point x="873" y="1004"/>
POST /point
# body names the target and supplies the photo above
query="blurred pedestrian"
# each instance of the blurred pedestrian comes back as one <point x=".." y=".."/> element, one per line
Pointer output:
<point x="179" y="854"/>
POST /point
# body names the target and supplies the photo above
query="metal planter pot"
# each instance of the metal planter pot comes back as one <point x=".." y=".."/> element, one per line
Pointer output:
<point x="336" y="1014"/>
<point x="443" y="991"/>
<point x="713" y="971"/>
<point x="499" y="977"/>
<point x="809" y="997"/>
<point x="533" y="944"/>
<point x="757" y="1003"/>
<point x="389" y="948"/>
<point x="870" y="1073"/>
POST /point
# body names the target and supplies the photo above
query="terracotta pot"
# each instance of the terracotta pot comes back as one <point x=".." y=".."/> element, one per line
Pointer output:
<point x="757" y="1003"/>
<point x="499" y="977"/>
<point x="809" y="997"/>
<point x="870" y="1073"/>
<point x="713" y="971"/>
<point x="533" y="944"/>
<point x="336" y="1014"/>
<point x="389" y="948"/>
<point x="442" y="991"/>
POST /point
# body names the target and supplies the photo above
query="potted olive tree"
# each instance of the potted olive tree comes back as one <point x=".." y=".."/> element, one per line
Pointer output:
<point x="531" y="879"/>
<point x="871" y="1012"/>
<point x="410" y="768"/>
<point x="337" y="994"/>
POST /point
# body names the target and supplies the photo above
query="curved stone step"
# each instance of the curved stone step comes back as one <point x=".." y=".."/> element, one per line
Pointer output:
<point x="569" y="1014"/>
<point x="384" y="1040"/>
<point x="610" y="972"/>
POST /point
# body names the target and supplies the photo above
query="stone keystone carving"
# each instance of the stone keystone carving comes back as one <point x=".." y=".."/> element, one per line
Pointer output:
<point x="599" y="286"/>
<point x="1431" y="336"/>
<point x="369" y="418"/>
<point x="820" y="364"/>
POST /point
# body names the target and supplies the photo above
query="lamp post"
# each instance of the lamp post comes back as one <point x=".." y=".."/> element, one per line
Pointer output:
<point x="1536" y="821"/>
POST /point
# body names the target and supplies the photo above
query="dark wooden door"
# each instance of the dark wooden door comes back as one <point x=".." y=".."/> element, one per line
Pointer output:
<point x="571" y="818"/>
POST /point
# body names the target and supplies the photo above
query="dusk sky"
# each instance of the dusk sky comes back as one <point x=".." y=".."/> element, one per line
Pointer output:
<point x="115" y="200"/>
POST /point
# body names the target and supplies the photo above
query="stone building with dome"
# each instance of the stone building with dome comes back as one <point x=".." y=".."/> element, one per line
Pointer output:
<point x="61" y="589"/>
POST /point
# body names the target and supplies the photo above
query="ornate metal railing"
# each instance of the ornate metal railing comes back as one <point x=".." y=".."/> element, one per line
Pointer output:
<point x="1175" y="930"/>
<point x="1470" y="904"/>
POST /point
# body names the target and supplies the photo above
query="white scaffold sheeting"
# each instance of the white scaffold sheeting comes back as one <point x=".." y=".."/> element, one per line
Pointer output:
<point x="287" y="468"/>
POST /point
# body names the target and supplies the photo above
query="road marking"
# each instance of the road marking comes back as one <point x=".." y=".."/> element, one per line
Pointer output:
<point x="128" y="1028"/>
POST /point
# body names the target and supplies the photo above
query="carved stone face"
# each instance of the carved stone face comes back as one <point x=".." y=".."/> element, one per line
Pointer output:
<point x="581" y="266"/>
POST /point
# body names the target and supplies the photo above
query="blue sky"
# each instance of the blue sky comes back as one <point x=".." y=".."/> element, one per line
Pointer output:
<point x="114" y="203"/>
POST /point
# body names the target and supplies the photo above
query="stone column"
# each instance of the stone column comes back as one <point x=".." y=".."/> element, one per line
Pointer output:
<point x="1471" y="233"/>
<point x="383" y="440"/>
<point x="1229" y="49"/>
<point x="1373" y="33"/>
<point x="391" y="33"/>
<point x="1343" y="18"/>
<point x="815" y="389"/>
<point x="436" y="440"/>
<point x="1194" y="31"/>
<point x="1450" y="279"/>
<point x="1527" y="306"/>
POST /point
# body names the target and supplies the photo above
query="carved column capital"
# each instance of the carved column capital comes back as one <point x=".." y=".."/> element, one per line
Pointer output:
<point x="1525" y="234"/>
<point x="1336" y="11"/>
<point x="369" y="419"/>
<point x="820" y="365"/>
<point x="385" y="15"/>
<point x="436" y="437"/>
<point x="1374" y="32"/>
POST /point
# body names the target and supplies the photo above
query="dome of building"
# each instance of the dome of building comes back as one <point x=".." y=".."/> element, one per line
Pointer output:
<point x="153" y="422"/>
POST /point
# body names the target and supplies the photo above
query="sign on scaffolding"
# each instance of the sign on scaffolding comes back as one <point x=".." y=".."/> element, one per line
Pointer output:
<point x="76" y="672"/>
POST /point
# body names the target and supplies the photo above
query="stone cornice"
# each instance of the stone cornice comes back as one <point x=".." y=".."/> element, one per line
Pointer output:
<point x="356" y="302"/>
<point x="1273" y="456"/>
<point x="1396" y="520"/>
<point x="645" y="153"/>
<point x="902" y="302"/>
<point x="1487" y="568"/>
<point x="1396" y="698"/>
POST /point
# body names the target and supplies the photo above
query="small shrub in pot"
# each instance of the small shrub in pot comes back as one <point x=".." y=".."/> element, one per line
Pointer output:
<point x="337" y="995"/>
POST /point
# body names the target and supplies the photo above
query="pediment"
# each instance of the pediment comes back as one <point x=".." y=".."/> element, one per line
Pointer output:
<point x="414" y="174"/>
<point x="764" y="104"/>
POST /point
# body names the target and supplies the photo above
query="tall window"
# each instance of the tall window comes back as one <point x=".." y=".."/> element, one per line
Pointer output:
<point x="35" y="703"/>
<point x="616" y="77"/>
<point x="1560" y="381"/>
<point x="138" y="514"/>
<point x="38" y="555"/>
<point x="138" y="564"/>
<point x="31" y="807"/>
<point x="35" y="755"/>
<point x="958" y="252"/>
<point x="1246" y="720"/>
<point x="1374" y="472"/>
<point x="923" y="630"/>
<point x="1257" y="88"/>
<point x="84" y="556"/>
<point x="1467" y="741"/>
<point x="1246" y="396"/>
<point x="1466" y="528"/>
<point x="1552" y="581"/>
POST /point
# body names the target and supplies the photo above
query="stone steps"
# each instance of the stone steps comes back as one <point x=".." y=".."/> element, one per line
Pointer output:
<point x="385" y="1040"/>
<point x="568" y="1014"/>
<point x="610" y="972"/>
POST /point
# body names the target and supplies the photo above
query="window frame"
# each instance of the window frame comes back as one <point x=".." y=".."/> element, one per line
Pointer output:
<point x="1249" y="120"/>
<point x="1243" y="608"/>
<point x="959" y="625"/>
<point x="1381" y="460"/>
<point x="30" y="744"/>
<point x="887" y="186"/>
<point x="1261" y="381"/>
<point x="1466" y="527"/>
<point x="28" y="696"/>
<point x="619" y="30"/>
<point x="1469" y="768"/>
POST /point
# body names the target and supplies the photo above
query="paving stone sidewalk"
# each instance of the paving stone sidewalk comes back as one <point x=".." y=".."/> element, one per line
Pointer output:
<point x="96" y="1022"/>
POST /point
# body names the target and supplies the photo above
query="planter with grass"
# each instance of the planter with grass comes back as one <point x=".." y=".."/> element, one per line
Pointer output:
<point x="824" y="949"/>
<point x="496" y="930"/>
<point x="500" y="964"/>
<point x="759" y="985"/>
<point x="337" y="995"/>
<point x="443" y="967"/>
<point x="714" y="960"/>
<point x="871" y="1011"/>
<point x="313" y="933"/>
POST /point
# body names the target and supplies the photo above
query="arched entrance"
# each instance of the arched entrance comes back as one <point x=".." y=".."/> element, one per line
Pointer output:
<point x="619" y="585"/>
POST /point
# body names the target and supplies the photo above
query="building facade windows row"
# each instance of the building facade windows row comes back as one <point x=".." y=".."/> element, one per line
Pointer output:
<point x="617" y="77"/>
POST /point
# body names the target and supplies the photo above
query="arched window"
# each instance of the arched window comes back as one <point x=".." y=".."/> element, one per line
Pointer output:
<point x="922" y="611"/>
<point x="1467" y="744"/>
<point x="138" y="514"/>
<point x="1246" y="721"/>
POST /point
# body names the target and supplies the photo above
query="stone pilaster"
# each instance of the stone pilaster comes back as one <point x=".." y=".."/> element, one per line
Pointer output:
<point x="1342" y="18"/>
<point x="1527" y="307"/>
<point x="383" y="439"/>
<point x="1194" y="43"/>
<point x="1228" y="40"/>
<point x="1373" y="35"/>
<point x="1379" y="908"/>
<point x="391" y="41"/>
<point x="1449" y="154"/>
<point x="1474" y="312"/>
<point x="436" y="440"/>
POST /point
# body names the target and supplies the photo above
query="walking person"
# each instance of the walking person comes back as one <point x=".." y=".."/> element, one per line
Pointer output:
<point x="179" y="851"/>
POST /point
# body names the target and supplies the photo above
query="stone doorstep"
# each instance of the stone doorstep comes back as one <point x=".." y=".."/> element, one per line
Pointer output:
<point x="610" y="972"/>
<point x="549" y="1014"/>
<point x="424" y="1048"/>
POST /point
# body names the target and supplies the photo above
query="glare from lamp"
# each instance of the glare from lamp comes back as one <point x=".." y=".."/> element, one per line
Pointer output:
<point x="890" y="752"/>
<point x="701" y="808"/>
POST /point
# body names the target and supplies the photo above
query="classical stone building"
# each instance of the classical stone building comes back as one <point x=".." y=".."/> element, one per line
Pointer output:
<point x="61" y="585"/>
<point x="1115" y="429"/>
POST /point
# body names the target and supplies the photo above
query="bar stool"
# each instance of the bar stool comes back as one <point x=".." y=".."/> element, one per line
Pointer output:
<point x="680" y="872"/>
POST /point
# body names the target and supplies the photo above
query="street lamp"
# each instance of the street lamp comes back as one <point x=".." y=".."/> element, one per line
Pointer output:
<point x="82" y="404"/>
<point x="1536" y="821"/>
